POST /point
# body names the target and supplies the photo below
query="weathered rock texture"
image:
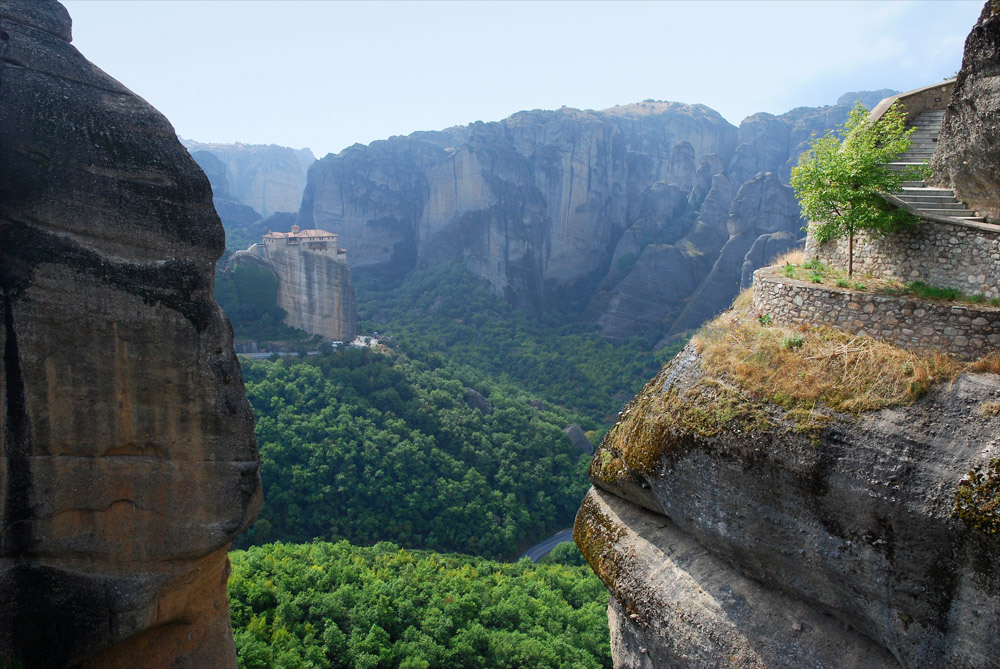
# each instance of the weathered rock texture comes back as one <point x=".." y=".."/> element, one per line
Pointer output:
<point x="968" y="152"/>
<point x="758" y="546"/>
<point x="268" y="178"/>
<point x="650" y="215"/>
<point x="965" y="331"/>
<point x="128" y="461"/>
<point x="314" y="289"/>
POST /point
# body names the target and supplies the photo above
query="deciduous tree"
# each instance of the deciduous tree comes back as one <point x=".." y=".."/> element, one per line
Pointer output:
<point x="839" y="182"/>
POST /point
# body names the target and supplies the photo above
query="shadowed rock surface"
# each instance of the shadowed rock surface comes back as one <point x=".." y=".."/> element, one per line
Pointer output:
<point x="128" y="461"/>
<point x="967" y="157"/>
<point x="622" y="218"/>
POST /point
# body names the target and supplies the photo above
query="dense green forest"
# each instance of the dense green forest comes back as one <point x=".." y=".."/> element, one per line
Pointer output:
<point x="450" y="439"/>
<point x="444" y="312"/>
<point x="372" y="447"/>
<point x="249" y="296"/>
<point x="336" y="605"/>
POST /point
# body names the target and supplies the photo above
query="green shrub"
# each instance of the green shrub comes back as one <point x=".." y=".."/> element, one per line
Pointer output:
<point x="792" y="342"/>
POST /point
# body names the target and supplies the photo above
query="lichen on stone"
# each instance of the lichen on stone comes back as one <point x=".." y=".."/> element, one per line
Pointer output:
<point x="596" y="536"/>
<point x="977" y="500"/>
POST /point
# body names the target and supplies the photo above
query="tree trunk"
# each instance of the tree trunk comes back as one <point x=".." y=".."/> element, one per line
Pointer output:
<point x="850" y="254"/>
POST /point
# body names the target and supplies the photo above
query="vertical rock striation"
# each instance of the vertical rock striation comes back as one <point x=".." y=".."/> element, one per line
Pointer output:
<point x="128" y="460"/>
<point x="643" y="218"/>
<point x="268" y="178"/>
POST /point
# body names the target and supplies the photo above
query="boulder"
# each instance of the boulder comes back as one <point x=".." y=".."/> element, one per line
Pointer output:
<point x="967" y="157"/>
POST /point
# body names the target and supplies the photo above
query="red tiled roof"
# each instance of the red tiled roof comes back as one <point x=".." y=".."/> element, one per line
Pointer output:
<point x="301" y="234"/>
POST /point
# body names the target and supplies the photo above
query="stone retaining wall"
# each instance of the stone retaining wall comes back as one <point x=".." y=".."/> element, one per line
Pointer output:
<point x="965" y="331"/>
<point x="961" y="256"/>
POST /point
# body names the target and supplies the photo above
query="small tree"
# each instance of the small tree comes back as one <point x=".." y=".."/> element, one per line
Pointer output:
<point x="838" y="183"/>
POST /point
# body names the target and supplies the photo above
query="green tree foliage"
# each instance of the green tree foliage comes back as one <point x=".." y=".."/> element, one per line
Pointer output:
<point x="336" y="605"/>
<point x="838" y="183"/>
<point x="368" y="447"/>
<point x="445" y="313"/>
<point x="566" y="553"/>
<point x="249" y="296"/>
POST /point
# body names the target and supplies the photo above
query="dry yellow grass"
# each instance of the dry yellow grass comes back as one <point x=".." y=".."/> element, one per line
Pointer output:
<point x="809" y="368"/>
<point x="793" y="257"/>
<point x="989" y="409"/>
<point x="988" y="364"/>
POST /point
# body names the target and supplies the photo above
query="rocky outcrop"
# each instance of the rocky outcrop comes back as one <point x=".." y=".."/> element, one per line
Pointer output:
<point x="317" y="294"/>
<point x="129" y="461"/>
<point x="741" y="540"/>
<point x="623" y="212"/>
<point x="579" y="438"/>
<point x="268" y="178"/>
<point x="967" y="157"/>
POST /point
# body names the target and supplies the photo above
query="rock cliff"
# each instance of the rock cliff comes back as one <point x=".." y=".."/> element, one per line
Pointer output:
<point x="785" y="494"/>
<point x="129" y="461"/>
<point x="267" y="178"/>
<point x="729" y="532"/>
<point x="314" y="289"/>
<point x="968" y="153"/>
<point x="640" y="218"/>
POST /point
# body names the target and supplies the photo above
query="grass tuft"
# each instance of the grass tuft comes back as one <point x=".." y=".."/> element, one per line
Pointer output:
<point x="822" y="367"/>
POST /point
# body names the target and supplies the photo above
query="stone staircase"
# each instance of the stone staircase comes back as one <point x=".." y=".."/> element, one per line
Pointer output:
<point x="935" y="201"/>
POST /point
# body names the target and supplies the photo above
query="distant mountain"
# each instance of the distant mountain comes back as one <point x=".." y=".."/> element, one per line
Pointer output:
<point x="268" y="178"/>
<point x="644" y="218"/>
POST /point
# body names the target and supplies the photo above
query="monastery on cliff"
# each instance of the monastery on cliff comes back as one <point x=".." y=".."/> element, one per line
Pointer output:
<point x="314" y="282"/>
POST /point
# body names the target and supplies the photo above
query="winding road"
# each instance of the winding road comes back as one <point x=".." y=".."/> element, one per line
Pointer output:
<point x="541" y="549"/>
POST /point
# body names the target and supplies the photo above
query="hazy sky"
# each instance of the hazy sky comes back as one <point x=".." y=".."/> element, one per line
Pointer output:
<point x="329" y="74"/>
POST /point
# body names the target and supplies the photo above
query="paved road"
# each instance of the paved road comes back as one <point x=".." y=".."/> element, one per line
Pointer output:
<point x="541" y="549"/>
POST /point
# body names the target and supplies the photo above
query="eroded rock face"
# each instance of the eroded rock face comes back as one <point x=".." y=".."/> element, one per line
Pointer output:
<point x="625" y="210"/>
<point x="268" y="178"/>
<point x="317" y="294"/>
<point x="782" y="549"/>
<point x="129" y="461"/>
<point x="968" y="152"/>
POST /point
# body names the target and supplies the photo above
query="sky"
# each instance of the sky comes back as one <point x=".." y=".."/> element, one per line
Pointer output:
<point x="325" y="75"/>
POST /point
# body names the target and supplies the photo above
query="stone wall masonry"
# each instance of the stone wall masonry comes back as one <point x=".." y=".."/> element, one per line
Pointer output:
<point x="965" y="331"/>
<point x="961" y="256"/>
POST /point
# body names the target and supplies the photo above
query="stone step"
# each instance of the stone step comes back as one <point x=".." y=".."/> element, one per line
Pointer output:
<point x="912" y="184"/>
<point x="927" y="199"/>
<point x="923" y="190"/>
<point x="940" y="206"/>
<point x="953" y="213"/>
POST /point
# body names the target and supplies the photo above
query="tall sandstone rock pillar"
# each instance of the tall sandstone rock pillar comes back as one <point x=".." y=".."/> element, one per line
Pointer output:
<point x="128" y="457"/>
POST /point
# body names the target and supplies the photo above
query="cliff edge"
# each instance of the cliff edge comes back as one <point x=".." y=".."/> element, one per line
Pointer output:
<point x="815" y="479"/>
<point x="129" y="461"/>
<point x="786" y="497"/>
